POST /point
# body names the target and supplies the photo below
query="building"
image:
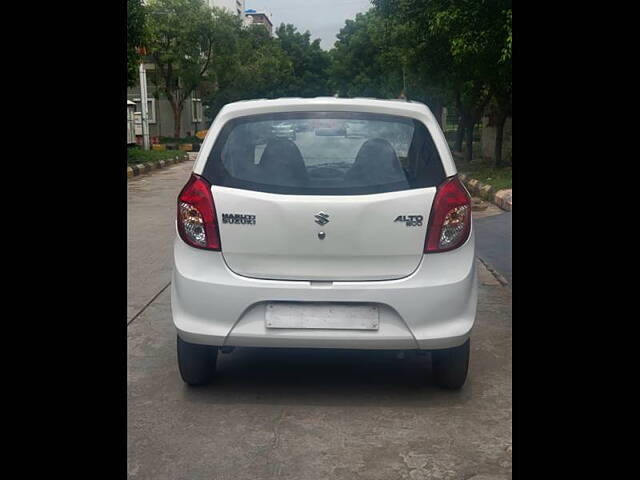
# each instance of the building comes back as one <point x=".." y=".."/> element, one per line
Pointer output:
<point x="131" y="127"/>
<point x="260" y="18"/>
<point x="161" y="119"/>
<point x="235" y="6"/>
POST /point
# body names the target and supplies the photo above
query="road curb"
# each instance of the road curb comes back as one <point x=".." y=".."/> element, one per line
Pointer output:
<point x="498" y="276"/>
<point x="501" y="198"/>
<point x="135" y="170"/>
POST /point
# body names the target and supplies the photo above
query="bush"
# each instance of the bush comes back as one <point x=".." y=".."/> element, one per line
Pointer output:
<point x="137" y="155"/>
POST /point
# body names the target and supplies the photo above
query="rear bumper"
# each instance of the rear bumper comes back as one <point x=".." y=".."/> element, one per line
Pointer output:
<point x="433" y="308"/>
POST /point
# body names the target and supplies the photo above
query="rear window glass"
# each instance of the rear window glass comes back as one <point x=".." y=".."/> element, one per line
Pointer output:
<point x="324" y="153"/>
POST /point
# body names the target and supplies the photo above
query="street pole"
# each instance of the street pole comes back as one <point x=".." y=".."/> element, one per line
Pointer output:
<point x="144" y="106"/>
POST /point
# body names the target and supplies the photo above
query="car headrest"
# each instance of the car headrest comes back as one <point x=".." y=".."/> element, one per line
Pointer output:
<point x="282" y="163"/>
<point x="376" y="163"/>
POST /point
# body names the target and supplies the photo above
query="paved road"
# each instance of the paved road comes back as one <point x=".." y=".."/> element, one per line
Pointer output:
<point x="493" y="239"/>
<point x="303" y="413"/>
<point x="151" y="210"/>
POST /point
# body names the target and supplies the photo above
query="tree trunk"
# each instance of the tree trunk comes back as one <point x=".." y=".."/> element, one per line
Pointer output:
<point x="457" y="147"/>
<point x="503" y="112"/>
<point x="471" y="114"/>
<point x="468" y="130"/>
<point x="469" y="121"/>
<point x="501" y="120"/>
<point x="177" y="117"/>
<point x="176" y="107"/>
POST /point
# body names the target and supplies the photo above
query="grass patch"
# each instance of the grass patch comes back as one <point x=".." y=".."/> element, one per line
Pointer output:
<point x="137" y="155"/>
<point x="498" y="178"/>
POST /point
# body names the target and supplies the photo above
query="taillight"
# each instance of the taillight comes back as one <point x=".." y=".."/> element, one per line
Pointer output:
<point x="197" y="222"/>
<point x="450" y="221"/>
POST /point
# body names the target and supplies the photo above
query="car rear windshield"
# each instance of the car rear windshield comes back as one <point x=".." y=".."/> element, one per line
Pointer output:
<point x="324" y="153"/>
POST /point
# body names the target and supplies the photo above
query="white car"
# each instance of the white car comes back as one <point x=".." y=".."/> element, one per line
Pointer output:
<point x="325" y="242"/>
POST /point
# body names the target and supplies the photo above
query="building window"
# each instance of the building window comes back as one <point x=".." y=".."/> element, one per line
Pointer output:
<point x="151" y="108"/>
<point x="196" y="110"/>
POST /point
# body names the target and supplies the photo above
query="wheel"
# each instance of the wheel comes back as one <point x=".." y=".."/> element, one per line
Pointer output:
<point x="450" y="366"/>
<point x="197" y="363"/>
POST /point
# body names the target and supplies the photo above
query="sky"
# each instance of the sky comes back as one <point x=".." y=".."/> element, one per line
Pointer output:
<point x="323" y="18"/>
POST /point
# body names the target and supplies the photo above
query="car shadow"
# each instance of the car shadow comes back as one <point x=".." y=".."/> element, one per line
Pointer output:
<point x="324" y="377"/>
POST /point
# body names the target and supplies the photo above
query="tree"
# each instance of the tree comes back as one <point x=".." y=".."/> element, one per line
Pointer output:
<point x="457" y="45"/>
<point x="358" y="67"/>
<point x="480" y="38"/>
<point x="419" y="79"/>
<point x="375" y="57"/>
<point x="135" y="38"/>
<point x="308" y="60"/>
<point x="185" y="38"/>
<point x="259" y="68"/>
<point x="501" y="84"/>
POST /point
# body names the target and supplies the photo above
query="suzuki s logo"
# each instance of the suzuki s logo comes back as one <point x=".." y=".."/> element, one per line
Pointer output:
<point x="321" y="218"/>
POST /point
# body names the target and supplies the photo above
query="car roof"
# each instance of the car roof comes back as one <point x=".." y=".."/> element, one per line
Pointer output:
<point x="249" y="107"/>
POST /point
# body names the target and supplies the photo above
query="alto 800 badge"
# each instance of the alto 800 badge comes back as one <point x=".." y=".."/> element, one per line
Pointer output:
<point x="410" y="220"/>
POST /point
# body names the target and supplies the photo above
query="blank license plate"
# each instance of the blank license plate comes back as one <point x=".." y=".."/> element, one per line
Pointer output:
<point x="322" y="315"/>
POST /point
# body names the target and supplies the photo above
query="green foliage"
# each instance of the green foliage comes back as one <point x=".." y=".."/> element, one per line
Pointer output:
<point x="136" y="155"/>
<point x="135" y="38"/>
<point x="186" y="39"/>
<point x="258" y="69"/>
<point x="290" y="64"/>
<point x="376" y="56"/>
<point x="506" y="50"/>
<point x="309" y="62"/>
<point x="359" y="66"/>
<point x="461" y="49"/>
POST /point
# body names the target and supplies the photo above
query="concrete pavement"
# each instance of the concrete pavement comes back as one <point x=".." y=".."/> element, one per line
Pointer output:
<point x="151" y="212"/>
<point x="313" y="414"/>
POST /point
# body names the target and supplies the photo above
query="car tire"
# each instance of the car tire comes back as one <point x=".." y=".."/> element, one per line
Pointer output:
<point x="450" y="366"/>
<point x="197" y="363"/>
